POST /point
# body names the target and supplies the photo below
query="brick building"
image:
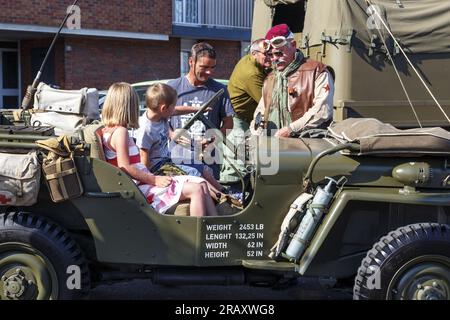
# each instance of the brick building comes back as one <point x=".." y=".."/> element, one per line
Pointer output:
<point x="133" y="41"/>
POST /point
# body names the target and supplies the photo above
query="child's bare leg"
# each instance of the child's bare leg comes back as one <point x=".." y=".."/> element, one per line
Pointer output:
<point x="215" y="187"/>
<point x="210" y="207"/>
<point x="213" y="192"/>
<point x="196" y="194"/>
<point x="210" y="178"/>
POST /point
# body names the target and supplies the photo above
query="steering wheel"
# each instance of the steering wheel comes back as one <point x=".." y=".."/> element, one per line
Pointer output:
<point x="199" y="116"/>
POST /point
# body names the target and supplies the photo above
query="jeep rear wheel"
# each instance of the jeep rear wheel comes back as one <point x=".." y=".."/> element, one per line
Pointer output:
<point x="410" y="263"/>
<point x="39" y="260"/>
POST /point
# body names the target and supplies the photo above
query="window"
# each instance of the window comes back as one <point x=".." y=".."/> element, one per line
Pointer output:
<point x="291" y="14"/>
<point x="184" y="63"/>
<point x="223" y="13"/>
<point x="10" y="67"/>
<point x="10" y="102"/>
<point x="186" y="11"/>
<point x="9" y="76"/>
<point x="37" y="56"/>
<point x="185" y="51"/>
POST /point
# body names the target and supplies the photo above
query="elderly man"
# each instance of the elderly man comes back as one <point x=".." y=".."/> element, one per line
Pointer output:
<point x="298" y="94"/>
<point x="245" y="88"/>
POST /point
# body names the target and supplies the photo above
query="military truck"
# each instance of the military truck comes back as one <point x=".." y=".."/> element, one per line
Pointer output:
<point x="366" y="205"/>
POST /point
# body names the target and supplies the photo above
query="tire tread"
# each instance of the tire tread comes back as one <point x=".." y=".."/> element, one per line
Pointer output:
<point x="390" y="243"/>
<point x="56" y="234"/>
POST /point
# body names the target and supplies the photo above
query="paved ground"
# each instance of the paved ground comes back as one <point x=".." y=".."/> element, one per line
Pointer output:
<point x="305" y="289"/>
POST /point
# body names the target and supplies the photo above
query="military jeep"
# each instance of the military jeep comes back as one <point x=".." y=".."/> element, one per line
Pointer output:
<point x="332" y="209"/>
<point x="365" y="205"/>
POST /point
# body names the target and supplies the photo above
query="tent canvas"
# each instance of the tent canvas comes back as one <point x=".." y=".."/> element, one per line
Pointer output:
<point x="262" y="19"/>
<point x="421" y="26"/>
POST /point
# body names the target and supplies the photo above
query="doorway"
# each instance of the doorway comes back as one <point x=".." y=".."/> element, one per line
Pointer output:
<point x="9" y="75"/>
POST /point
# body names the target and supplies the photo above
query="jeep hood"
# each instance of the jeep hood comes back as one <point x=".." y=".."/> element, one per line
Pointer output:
<point x="285" y="161"/>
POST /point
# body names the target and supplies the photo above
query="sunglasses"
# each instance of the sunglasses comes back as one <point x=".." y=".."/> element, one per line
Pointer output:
<point x="276" y="42"/>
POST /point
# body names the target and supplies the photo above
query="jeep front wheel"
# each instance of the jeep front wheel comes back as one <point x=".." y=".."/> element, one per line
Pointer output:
<point x="410" y="263"/>
<point x="38" y="259"/>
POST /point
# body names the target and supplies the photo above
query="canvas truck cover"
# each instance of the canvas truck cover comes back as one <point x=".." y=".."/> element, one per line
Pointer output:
<point x="262" y="19"/>
<point x="421" y="26"/>
<point x="263" y="15"/>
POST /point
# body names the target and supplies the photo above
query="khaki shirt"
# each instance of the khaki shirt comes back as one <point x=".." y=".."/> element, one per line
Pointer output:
<point x="245" y="87"/>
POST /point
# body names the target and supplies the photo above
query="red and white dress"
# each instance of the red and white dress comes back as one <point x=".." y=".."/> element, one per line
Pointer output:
<point x="161" y="199"/>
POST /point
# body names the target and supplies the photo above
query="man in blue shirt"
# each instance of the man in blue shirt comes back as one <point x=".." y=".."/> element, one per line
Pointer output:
<point x="193" y="90"/>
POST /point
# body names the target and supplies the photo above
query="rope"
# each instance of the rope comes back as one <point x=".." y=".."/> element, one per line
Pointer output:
<point x="399" y="78"/>
<point x="369" y="3"/>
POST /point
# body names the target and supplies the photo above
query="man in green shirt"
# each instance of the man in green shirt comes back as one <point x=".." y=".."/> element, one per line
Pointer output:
<point x="245" y="89"/>
<point x="245" y="85"/>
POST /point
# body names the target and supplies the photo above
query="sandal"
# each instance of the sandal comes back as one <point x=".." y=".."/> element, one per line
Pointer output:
<point x="232" y="201"/>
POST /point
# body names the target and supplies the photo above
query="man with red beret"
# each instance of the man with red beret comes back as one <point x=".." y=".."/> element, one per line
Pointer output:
<point x="298" y="94"/>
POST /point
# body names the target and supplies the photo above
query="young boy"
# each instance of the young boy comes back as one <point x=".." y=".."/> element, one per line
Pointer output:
<point x="154" y="133"/>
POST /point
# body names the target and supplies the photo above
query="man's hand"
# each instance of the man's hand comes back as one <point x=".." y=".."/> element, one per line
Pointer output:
<point x="206" y="142"/>
<point x="283" y="132"/>
<point x="183" y="140"/>
<point x="163" y="181"/>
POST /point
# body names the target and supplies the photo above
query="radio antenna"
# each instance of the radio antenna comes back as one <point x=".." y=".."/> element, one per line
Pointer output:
<point x="31" y="90"/>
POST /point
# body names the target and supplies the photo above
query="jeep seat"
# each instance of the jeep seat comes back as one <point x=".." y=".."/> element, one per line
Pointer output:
<point x="180" y="209"/>
<point x="92" y="135"/>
